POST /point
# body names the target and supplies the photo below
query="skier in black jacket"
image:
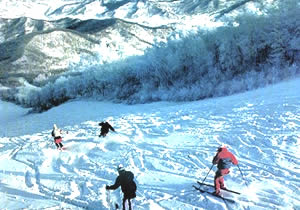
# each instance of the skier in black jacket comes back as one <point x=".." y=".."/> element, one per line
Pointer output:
<point x="105" y="126"/>
<point x="128" y="186"/>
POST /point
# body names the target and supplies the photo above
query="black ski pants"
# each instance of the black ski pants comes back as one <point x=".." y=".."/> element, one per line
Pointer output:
<point x="129" y="203"/>
<point x="59" y="145"/>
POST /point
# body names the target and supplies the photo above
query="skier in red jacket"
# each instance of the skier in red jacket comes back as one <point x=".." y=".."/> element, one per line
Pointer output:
<point x="223" y="159"/>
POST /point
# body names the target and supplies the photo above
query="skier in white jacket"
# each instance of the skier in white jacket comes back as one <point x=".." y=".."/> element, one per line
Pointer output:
<point x="56" y="133"/>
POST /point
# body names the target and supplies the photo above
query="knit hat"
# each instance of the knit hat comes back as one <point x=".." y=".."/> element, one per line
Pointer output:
<point x="120" y="168"/>
<point x="222" y="146"/>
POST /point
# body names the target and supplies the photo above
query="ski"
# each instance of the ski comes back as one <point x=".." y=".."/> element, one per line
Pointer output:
<point x="211" y="193"/>
<point x="210" y="185"/>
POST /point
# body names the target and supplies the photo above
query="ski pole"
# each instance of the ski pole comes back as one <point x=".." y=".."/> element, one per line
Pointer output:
<point x="207" y="173"/>
<point x="243" y="176"/>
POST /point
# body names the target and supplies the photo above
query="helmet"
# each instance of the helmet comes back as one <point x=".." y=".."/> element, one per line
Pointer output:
<point x="120" y="168"/>
<point x="54" y="126"/>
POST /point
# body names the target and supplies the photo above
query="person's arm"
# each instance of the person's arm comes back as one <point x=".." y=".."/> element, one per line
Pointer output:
<point x="115" y="185"/>
<point x="216" y="159"/>
<point x="111" y="128"/>
<point x="234" y="160"/>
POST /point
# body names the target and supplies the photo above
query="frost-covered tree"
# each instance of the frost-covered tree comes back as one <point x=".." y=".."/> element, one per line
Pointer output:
<point x="249" y="52"/>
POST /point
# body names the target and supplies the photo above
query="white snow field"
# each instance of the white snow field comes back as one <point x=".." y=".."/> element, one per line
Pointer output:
<point x="168" y="146"/>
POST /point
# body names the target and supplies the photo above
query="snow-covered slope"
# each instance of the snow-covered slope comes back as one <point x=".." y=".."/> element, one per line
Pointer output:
<point x="168" y="146"/>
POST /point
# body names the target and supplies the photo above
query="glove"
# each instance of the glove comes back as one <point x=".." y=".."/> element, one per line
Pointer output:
<point x="107" y="187"/>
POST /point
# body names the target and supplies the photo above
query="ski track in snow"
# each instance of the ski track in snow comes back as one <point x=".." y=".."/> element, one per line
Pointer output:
<point x="168" y="146"/>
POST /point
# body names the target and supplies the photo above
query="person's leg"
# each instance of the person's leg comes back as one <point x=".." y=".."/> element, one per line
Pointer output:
<point x="124" y="200"/>
<point x="129" y="204"/>
<point x="221" y="180"/>
<point x="102" y="134"/>
<point x="217" y="178"/>
<point x="60" y="144"/>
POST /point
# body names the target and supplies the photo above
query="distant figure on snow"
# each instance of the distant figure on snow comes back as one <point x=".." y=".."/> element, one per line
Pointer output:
<point x="128" y="186"/>
<point x="56" y="133"/>
<point x="223" y="159"/>
<point x="105" y="126"/>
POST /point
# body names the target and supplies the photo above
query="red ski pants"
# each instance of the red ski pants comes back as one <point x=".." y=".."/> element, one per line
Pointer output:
<point x="219" y="179"/>
<point x="58" y="140"/>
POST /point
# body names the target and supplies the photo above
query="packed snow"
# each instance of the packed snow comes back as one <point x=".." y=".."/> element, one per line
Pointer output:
<point x="168" y="146"/>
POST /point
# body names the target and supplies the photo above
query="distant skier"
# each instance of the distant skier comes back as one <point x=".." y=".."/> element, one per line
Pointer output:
<point x="56" y="133"/>
<point x="105" y="127"/>
<point x="128" y="186"/>
<point x="223" y="159"/>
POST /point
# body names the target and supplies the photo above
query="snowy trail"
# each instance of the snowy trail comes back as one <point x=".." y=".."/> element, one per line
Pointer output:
<point x="168" y="146"/>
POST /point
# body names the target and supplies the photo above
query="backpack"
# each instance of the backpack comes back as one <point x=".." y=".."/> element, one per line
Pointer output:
<point x="132" y="187"/>
<point x="129" y="186"/>
<point x="132" y="190"/>
<point x="224" y="163"/>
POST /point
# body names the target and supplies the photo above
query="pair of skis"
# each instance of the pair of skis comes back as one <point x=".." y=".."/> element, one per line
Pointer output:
<point x="211" y="193"/>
